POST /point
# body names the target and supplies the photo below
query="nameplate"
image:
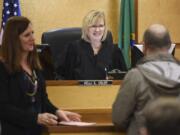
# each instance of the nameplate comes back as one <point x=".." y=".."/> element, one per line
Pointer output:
<point x="95" y="82"/>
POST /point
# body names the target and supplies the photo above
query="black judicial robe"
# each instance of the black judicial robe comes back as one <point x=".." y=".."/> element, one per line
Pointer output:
<point x="82" y="64"/>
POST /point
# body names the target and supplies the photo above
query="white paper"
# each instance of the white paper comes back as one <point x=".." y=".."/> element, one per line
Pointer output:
<point x="75" y="123"/>
<point x="171" y="48"/>
<point x="140" y="47"/>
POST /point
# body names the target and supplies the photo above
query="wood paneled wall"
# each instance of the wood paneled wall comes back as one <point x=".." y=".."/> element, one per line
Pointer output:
<point x="51" y="14"/>
<point x="159" y="11"/>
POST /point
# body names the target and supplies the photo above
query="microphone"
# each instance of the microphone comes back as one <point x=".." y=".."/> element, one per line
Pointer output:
<point x="105" y="69"/>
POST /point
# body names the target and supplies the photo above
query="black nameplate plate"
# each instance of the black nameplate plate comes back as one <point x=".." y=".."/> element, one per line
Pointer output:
<point x="95" y="82"/>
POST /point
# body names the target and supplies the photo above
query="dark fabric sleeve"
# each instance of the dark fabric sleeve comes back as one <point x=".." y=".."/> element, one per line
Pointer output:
<point x="9" y="112"/>
<point x="46" y="103"/>
<point x="71" y="61"/>
<point x="61" y="69"/>
<point x="118" y="59"/>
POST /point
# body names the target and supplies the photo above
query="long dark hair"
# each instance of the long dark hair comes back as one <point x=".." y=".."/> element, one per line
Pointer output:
<point x="11" y="51"/>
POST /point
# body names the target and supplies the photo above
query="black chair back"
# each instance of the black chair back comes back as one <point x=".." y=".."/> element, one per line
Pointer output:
<point x="58" y="40"/>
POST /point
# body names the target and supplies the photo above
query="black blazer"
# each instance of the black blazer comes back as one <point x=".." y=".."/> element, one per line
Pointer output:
<point x="15" y="116"/>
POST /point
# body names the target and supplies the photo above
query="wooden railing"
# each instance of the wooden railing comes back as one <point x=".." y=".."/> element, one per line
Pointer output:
<point x="102" y="118"/>
<point x="92" y="102"/>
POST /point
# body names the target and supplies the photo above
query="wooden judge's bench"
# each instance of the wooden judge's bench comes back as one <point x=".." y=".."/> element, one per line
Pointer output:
<point x="91" y="99"/>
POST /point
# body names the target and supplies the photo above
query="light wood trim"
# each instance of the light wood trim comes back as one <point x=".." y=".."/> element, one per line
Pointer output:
<point x="105" y="127"/>
<point x="136" y="21"/>
<point x="177" y="45"/>
<point x="88" y="115"/>
<point x="95" y="115"/>
<point x="93" y="110"/>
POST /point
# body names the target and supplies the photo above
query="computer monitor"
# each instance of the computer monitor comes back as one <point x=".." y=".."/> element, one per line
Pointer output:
<point x="45" y="57"/>
<point x="137" y="53"/>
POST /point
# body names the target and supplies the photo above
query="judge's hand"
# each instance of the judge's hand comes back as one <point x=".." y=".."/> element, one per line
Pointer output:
<point x="47" y="119"/>
<point x="68" y="116"/>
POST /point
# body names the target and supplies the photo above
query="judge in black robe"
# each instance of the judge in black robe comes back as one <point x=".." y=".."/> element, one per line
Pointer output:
<point x="91" y="57"/>
<point x="83" y="64"/>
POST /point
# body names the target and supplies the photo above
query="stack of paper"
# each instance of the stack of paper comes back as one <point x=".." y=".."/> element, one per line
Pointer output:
<point x="75" y="123"/>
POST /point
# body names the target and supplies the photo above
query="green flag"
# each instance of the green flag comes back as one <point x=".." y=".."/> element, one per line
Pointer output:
<point x="127" y="29"/>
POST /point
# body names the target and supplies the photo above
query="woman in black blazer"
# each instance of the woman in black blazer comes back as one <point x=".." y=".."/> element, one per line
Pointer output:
<point x="24" y="103"/>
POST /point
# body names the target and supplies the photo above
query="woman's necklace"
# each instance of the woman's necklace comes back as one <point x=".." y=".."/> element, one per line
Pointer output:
<point x="33" y="80"/>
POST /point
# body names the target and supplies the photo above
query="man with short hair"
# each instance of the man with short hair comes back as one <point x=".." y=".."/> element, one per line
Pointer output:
<point x="156" y="75"/>
<point x="162" y="117"/>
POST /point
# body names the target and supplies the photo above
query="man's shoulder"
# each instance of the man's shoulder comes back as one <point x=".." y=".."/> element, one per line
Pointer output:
<point x="133" y="71"/>
<point x="133" y="75"/>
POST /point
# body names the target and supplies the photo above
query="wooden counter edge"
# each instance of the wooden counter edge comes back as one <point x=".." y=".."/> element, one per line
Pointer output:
<point x="100" y="127"/>
<point x="72" y="82"/>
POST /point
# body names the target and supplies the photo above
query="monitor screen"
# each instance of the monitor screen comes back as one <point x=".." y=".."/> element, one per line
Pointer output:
<point x="137" y="53"/>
